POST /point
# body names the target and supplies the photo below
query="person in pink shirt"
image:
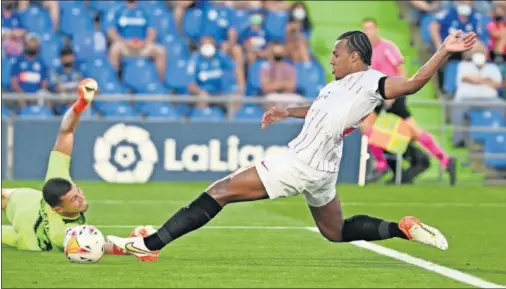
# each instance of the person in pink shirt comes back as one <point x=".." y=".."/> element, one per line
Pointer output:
<point x="387" y="59"/>
<point x="497" y="31"/>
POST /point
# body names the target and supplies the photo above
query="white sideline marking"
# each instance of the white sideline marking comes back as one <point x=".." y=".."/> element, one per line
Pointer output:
<point x="441" y="270"/>
<point x="356" y="204"/>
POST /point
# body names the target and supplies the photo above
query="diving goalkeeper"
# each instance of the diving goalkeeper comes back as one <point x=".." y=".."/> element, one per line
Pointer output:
<point x="40" y="219"/>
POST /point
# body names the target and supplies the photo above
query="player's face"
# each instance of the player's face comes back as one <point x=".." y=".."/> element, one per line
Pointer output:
<point x="74" y="201"/>
<point x="341" y="60"/>
<point x="370" y="30"/>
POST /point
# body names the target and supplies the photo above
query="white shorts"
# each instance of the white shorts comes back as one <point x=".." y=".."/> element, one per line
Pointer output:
<point x="284" y="175"/>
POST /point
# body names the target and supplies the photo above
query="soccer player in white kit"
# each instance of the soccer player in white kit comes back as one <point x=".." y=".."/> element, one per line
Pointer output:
<point x="311" y="165"/>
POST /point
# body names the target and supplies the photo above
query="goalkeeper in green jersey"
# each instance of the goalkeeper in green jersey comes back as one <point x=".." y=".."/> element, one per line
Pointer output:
<point x="40" y="218"/>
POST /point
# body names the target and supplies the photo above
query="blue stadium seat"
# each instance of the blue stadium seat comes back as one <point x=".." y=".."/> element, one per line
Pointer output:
<point x="102" y="71"/>
<point x="5" y="112"/>
<point x="208" y="114"/>
<point x="192" y="24"/>
<point x="37" y="20"/>
<point x="154" y="88"/>
<point x="183" y="109"/>
<point x="450" y="77"/>
<point x="75" y="21"/>
<point x="178" y="54"/>
<point x="162" y="20"/>
<point x="103" y="7"/>
<point x="84" y="47"/>
<point x="275" y="25"/>
<point x="139" y="81"/>
<point x="88" y="113"/>
<point x="109" y="88"/>
<point x="50" y="48"/>
<point x="36" y="111"/>
<point x="66" y="6"/>
<point x="495" y="144"/>
<point x="150" y="6"/>
<point x="310" y="78"/>
<point x="123" y="111"/>
<point x="254" y="84"/>
<point x="485" y="118"/>
<point x="6" y="73"/>
<point x="249" y="113"/>
<point x="425" y="28"/>
<point x="176" y="48"/>
<point x="485" y="36"/>
<point x="241" y="21"/>
<point x="165" y="112"/>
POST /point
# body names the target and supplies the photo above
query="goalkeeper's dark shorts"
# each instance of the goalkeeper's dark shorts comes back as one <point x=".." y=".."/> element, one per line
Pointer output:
<point x="398" y="108"/>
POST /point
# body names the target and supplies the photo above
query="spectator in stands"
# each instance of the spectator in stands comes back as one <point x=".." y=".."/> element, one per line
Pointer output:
<point x="29" y="73"/>
<point x="12" y="30"/>
<point x="132" y="35"/>
<point x="217" y="22"/>
<point x="65" y="79"/>
<point x="423" y="7"/>
<point x="276" y="5"/>
<point x="208" y="68"/>
<point x="99" y="38"/>
<point x="460" y="17"/>
<point x="298" y="32"/>
<point x="477" y="81"/>
<point x="254" y="39"/>
<point x="279" y="79"/>
<point x="51" y="5"/>
<point x="497" y="31"/>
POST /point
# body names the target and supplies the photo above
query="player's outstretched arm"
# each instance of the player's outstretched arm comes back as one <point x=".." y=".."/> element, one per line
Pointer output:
<point x="395" y="87"/>
<point x="65" y="140"/>
<point x="277" y="114"/>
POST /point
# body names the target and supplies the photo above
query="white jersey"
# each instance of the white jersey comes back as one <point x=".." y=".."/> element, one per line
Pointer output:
<point x="339" y="108"/>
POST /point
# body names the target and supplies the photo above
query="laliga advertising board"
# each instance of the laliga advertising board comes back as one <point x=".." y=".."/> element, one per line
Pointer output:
<point x="137" y="152"/>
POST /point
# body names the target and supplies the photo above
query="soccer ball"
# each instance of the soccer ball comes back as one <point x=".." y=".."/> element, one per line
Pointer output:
<point x="84" y="244"/>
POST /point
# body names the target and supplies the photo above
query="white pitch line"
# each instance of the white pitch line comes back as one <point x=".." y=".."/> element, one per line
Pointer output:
<point x="353" y="204"/>
<point x="441" y="270"/>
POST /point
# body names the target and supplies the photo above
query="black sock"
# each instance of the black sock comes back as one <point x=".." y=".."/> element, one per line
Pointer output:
<point x="365" y="228"/>
<point x="187" y="219"/>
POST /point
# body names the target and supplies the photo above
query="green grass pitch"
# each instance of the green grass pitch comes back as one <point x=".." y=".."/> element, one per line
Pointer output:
<point x="471" y="217"/>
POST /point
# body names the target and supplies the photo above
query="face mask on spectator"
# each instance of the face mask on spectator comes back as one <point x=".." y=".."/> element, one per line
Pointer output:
<point x="499" y="18"/>
<point x="68" y="64"/>
<point x="479" y="59"/>
<point x="30" y="51"/>
<point x="464" y="10"/>
<point x="9" y="6"/>
<point x="278" y="57"/>
<point x="208" y="50"/>
<point x="256" y="19"/>
<point x="299" y="14"/>
<point x="131" y="1"/>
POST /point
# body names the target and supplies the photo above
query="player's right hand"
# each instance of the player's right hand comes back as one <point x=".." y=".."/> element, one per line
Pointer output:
<point x="87" y="89"/>
<point x="273" y="115"/>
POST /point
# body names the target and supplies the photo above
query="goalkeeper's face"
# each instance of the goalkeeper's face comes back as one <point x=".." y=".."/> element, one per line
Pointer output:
<point x="74" y="201"/>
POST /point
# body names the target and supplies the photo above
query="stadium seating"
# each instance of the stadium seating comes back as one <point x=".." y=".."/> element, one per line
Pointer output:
<point x="254" y="84"/>
<point x="450" y="77"/>
<point x="310" y="78"/>
<point x="36" y="111"/>
<point x="139" y="81"/>
<point x="122" y="111"/>
<point x="5" y="111"/>
<point x="275" y="25"/>
<point x="37" y="20"/>
<point x="192" y="24"/>
<point x="485" y="118"/>
<point x="495" y="144"/>
<point x="50" y="47"/>
<point x="6" y="73"/>
<point x="106" y="89"/>
<point x="208" y="114"/>
<point x="162" y="20"/>
<point x="102" y="71"/>
<point x="76" y="20"/>
<point x="165" y="112"/>
<point x="84" y="47"/>
<point x="249" y="113"/>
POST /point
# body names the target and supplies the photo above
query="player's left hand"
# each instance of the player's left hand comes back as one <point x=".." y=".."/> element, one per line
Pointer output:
<point x="459" y="41"/>
<point x="273" y="115"/>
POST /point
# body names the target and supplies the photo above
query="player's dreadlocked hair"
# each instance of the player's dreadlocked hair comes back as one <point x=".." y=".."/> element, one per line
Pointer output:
<point x="358" y="41"/>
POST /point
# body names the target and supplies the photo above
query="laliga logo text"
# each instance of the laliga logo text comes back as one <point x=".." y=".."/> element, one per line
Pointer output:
<point x="125" y="154"/>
